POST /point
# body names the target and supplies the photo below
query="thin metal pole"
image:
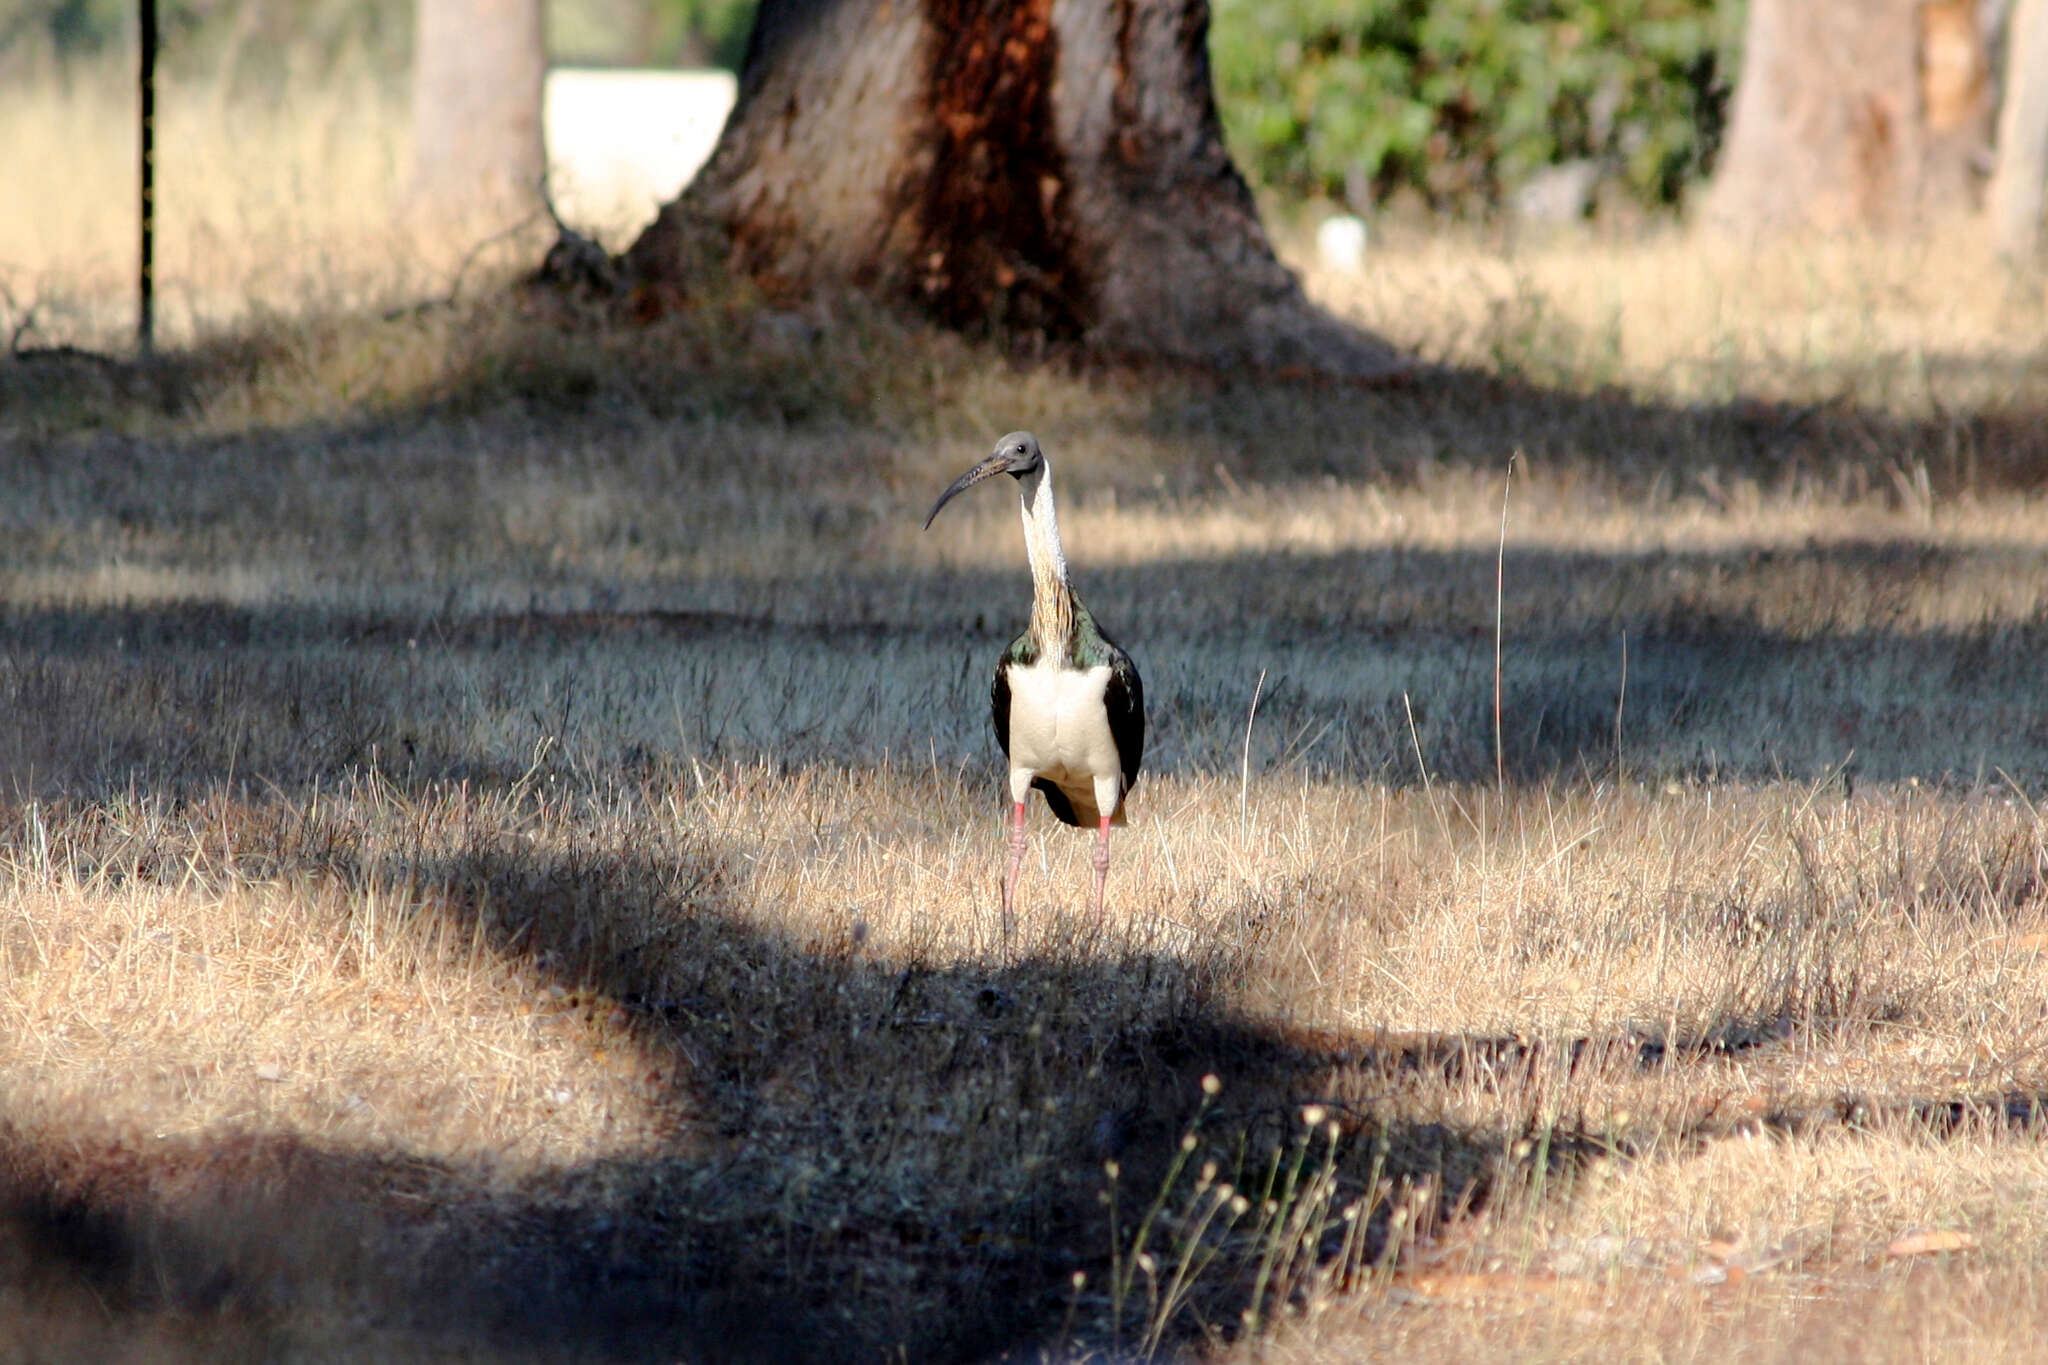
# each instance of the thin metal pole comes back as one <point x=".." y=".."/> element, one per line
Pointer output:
<point x="145" y="321"/>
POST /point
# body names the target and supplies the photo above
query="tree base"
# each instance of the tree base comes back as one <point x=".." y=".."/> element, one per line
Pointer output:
<point x="1037" y="169"/>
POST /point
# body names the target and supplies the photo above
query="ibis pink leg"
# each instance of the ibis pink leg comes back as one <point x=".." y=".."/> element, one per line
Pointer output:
<point x="1016" y="868"/>
<point x="1101" y="865"/>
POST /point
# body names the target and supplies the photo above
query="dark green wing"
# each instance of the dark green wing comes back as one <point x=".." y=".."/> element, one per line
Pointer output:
<point x="1022" y="654"/>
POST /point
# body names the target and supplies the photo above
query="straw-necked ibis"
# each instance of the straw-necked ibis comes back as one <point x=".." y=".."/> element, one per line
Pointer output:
<point x="1068" y="707"/>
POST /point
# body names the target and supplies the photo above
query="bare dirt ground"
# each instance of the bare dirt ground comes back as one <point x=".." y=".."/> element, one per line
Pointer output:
<point x="499" y="836"/>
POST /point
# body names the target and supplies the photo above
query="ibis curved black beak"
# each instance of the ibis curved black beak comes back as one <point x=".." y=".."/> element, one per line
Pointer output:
<point x="998" y="463"/>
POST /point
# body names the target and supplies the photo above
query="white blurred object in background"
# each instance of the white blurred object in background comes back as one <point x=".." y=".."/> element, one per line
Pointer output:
<point x="1340" y="242"/>
<point x="623" y="143"/>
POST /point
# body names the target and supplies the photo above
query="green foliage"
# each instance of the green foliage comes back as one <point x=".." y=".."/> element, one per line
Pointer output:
<point x="1462" y="100"/>
<point x="702" y="32"/>
<point x="650" y="32"/>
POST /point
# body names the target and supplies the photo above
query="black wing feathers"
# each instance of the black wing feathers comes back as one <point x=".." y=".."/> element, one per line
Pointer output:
<point x="1125" y="698"/>
<point x="999" y="703"/>
<point x="1021" y="652"/>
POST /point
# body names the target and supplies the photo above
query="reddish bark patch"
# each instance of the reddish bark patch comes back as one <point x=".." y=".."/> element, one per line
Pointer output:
<point x="1129" y="143"/>
<point x="994" y="243"/>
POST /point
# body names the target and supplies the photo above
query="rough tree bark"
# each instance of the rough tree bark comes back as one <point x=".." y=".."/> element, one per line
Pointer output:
<point x="477" y="73"/>
<point x="1863" y="113"/>
<point x="1051" y="167"/>
<point x="2012" y="200"/>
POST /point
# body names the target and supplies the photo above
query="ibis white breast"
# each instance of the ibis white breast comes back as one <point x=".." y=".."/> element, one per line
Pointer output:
<point x="1059" y="730"/>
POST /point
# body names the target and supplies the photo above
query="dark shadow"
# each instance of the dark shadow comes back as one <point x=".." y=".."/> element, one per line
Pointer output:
<point x="1377" y="664"/>
<point x="1451" y="417"/>
<point x="537" y="357"/>
<point x="808" y="1204"/>
<point x="809" y="1201"/>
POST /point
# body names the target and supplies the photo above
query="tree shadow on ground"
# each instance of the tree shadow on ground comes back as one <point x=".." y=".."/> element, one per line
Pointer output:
<point x="1756" y="664"/>
<point x="861" y="1157"/>
<point x="875" y="371"/>
<point x="864" y="1157"/>
<point x="1273" y="432"/>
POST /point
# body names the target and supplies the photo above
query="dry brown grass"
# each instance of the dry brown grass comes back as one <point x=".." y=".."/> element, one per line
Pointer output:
<point x="269" y="204"/>
<point x="499" y="844"/>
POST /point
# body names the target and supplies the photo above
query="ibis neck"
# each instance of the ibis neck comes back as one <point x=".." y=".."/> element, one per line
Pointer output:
<point x="1052" y="597"/>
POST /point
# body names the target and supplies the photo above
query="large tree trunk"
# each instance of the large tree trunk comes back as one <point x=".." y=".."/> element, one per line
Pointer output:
<point x="2012" y="201"/>
<point x="1040" y="166"/>
<point x="1864" y="113"/>
<point x="477" y="73"/>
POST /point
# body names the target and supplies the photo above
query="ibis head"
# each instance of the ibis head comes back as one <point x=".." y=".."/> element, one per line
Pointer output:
<point x="1016" y="454"/>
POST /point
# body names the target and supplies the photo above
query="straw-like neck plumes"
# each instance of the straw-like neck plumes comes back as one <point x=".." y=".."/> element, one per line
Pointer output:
<point x="1052" y="599"/>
